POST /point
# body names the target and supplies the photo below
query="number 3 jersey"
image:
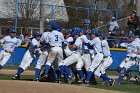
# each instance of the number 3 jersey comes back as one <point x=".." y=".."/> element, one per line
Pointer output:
<point x="55" y="38"/>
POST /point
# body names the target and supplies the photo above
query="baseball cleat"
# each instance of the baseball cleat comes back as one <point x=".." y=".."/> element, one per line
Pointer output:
<point x="104" y="82"/>
<point x="111" y="82"/>
<point x="16" y="77"/>
<point x="70" y="79"/>
<point x="137" y="78"/>
<point x="36" y="79"/>
<point x="128" y="76"/>
<point x="81" y="80"/>
<point x="44" y="77"/>
<point x="119" y="83"/>
<point x="86" y="84"/>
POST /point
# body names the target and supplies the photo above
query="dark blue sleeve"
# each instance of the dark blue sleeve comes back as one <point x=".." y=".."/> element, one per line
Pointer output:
<point x="88" y="45"/>
<point x="64" y="45"/>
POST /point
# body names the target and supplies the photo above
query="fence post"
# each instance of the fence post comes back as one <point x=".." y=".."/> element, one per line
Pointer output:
<point x="16" y="16"/>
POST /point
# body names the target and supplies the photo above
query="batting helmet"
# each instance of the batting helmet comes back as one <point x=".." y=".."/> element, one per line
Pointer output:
<point x="54" y="25"/>
<point x="12" y="30"/>
<point x="76" y="32"/>
<point x="37" y="33"/>
<point x="68" y="31"/>
<point x="94" y="31"/>
<point x="102" y="34"/>
<point x="131" y="35"/>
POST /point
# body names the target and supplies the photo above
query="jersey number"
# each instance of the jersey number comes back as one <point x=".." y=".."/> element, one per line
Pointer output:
<point x="56" y="37"/>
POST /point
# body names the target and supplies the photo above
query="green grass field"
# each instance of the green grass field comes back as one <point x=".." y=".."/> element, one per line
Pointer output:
<point x="127" y="86"/>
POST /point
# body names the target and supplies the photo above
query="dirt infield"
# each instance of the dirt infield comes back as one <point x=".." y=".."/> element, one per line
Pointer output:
<point x="13" y="72"/>
<point x="13" y="86"/>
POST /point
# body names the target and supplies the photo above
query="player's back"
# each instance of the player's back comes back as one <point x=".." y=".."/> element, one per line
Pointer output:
<point x="96" y="42"/>
<point x="44" y="36"/>
<point x="56" y="38"/>
<point x="85" y="39"/>
<point x="132" y="47"/>
<point x="105" y="48"/>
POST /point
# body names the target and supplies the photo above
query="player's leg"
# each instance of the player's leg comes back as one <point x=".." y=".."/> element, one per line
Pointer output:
<point x="87" y="61"/>
<point x="60" y="60"/>
<point x="106" y="63"/>
<point x="69" y="61"/>
<point x="60" y="63"/>
<point x="5" y="58"/>
<point x="95" y="63"/>
<point x="128" y="64"/>
<point x="1" y="56"/>
<point x="123" y="64"/>
<point x="79" y="66"/>
<point x="138" y="64"/>
<point x="98" y="73"/>
<point x="41" y="61"/>
<point x="51" y="57"/>
<point x="26" y="61"/>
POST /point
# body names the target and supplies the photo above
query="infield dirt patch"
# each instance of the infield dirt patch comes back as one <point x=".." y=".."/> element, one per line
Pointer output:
<point x="13" y="86"/>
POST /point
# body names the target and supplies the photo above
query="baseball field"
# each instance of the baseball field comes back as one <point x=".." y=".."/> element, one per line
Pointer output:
<point x="27" y="85"/>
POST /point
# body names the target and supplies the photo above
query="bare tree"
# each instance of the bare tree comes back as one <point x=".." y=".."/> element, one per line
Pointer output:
<point x="7" y="8"/>
<point x="27" y="12"/>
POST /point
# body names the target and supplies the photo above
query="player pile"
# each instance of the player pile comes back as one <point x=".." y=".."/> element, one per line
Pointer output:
<point x="70" y="55"/>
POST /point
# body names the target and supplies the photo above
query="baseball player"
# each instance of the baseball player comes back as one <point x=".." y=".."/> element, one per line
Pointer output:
<point x="68" y="51"/>
<point x="75" y="57"/>
<point x="86" y="54"/>
<point x="130" y="60"/>
<point x="138" y="60"/>
<point x="10" y="42"/>
<point x="68" y="39"/>
<point x="29" y="55"/>
<point x="42" y="58"/>
<point x="107" y="60"/>
<point x="55" y="40"/>
<point x="96" y="43"/>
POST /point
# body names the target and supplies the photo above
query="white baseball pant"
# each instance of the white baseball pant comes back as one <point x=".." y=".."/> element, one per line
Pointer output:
<point x="124" y="62"/>
<point x="4" y="57"/>
<point x="127" y="63"/>
<point x="41" y="60"/>
<point x="74" y="58"/>
<point x="87" y="61"/>
<point x="55" y="52"/>
<point x="106" y="62"/>
<point x="138" y="61"/>
<point x="96" y="61"/>
<point x="26" y="61"/>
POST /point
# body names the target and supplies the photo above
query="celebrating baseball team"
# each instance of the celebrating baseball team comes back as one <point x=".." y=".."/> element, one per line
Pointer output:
<point x="76" y="55"/>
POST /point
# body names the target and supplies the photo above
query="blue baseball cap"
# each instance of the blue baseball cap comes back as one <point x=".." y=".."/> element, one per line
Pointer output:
<point x="76" y="32"/>
<point x="54" y="25"/>
<point x="37" y="33"/>
<point x="102" y="34"/>
<point x="12" y="30"/>
<point x="68" y="31"/>
<point x="94" y="31"/>
<point x="131" y="35"/>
